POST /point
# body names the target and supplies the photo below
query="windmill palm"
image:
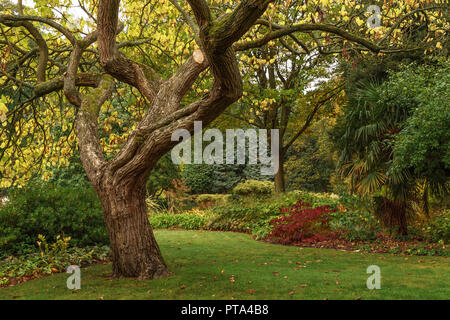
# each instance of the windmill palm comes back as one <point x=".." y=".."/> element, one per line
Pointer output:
<point x="367" y="153"/>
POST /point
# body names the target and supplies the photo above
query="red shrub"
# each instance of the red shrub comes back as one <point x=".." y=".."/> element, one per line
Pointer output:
<point x="301" y="222"/>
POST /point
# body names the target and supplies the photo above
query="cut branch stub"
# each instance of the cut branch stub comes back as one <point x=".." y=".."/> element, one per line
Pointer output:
<point x="198" y="56"/>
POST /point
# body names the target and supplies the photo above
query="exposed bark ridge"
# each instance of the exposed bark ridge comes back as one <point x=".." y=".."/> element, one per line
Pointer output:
<point x="87" y="128"/>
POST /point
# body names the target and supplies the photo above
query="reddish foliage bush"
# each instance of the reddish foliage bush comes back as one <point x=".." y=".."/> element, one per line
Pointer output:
<point x="301" y="223"/>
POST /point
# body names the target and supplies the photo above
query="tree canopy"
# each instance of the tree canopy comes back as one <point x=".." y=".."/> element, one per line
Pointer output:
<point x="37" y="42"/>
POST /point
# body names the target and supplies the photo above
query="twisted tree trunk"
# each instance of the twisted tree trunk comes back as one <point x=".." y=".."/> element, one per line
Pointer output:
<point x="135" y="252"/>
<point x="120" y="183"/>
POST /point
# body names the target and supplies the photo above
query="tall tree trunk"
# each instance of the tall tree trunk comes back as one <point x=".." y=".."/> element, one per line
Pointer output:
<point x="392" y="214"/>
<point x="399" y="218"/>
<point x="135" y="252"/>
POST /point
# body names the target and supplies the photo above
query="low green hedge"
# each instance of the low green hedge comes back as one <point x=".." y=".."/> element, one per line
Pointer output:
<point x="205" y="200"/>
<point x="254" y="188"/>
<point x="186" y="221"/>
<point x="438" y="228"/>
<point x="355" y="226"/>
<point x="51" y="210"/>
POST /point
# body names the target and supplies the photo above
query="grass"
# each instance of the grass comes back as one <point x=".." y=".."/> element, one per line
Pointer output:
<point x="222" y="265"/>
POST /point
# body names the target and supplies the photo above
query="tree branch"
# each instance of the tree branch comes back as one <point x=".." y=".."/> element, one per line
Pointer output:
<point x="13" y="20"/>
<point x="311" y="116"/>
<point x="87" y="128"/>
<point x="138" y="75"/>
<point x="186" y="18"/>
<point x="285" y="31"/>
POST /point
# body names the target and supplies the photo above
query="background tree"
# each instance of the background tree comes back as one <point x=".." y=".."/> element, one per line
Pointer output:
<point x="310" y="161"/>
<point x="162" y="176"/>
<point x="278" y="95"/>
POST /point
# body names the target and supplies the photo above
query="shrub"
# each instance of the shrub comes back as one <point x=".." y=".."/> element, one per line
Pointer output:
<point x="198" y="177"/>
<point x="232" y="218"/>
<point x="208" y="200"/>
<point x="50" y="210"/>
<point x="218" y="178"/>
<point x="245" y="215"/>
<point x="438" y="229"/>
<point x="51" y="258"/>
<point x="178" y="197"/>
<point x="254" y="188"/>
<point x="301" y="223"/>
<point x="354" y="202"/>
<point x="250" y="214"/>
<point x="318" y="199"/>
<point x="355" y="226"/>
<point x="188" y="221"/>
<point x="162" y="177"/>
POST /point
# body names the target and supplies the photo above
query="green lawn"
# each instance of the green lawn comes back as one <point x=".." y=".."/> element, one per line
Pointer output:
<point x="222" y="265"/>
